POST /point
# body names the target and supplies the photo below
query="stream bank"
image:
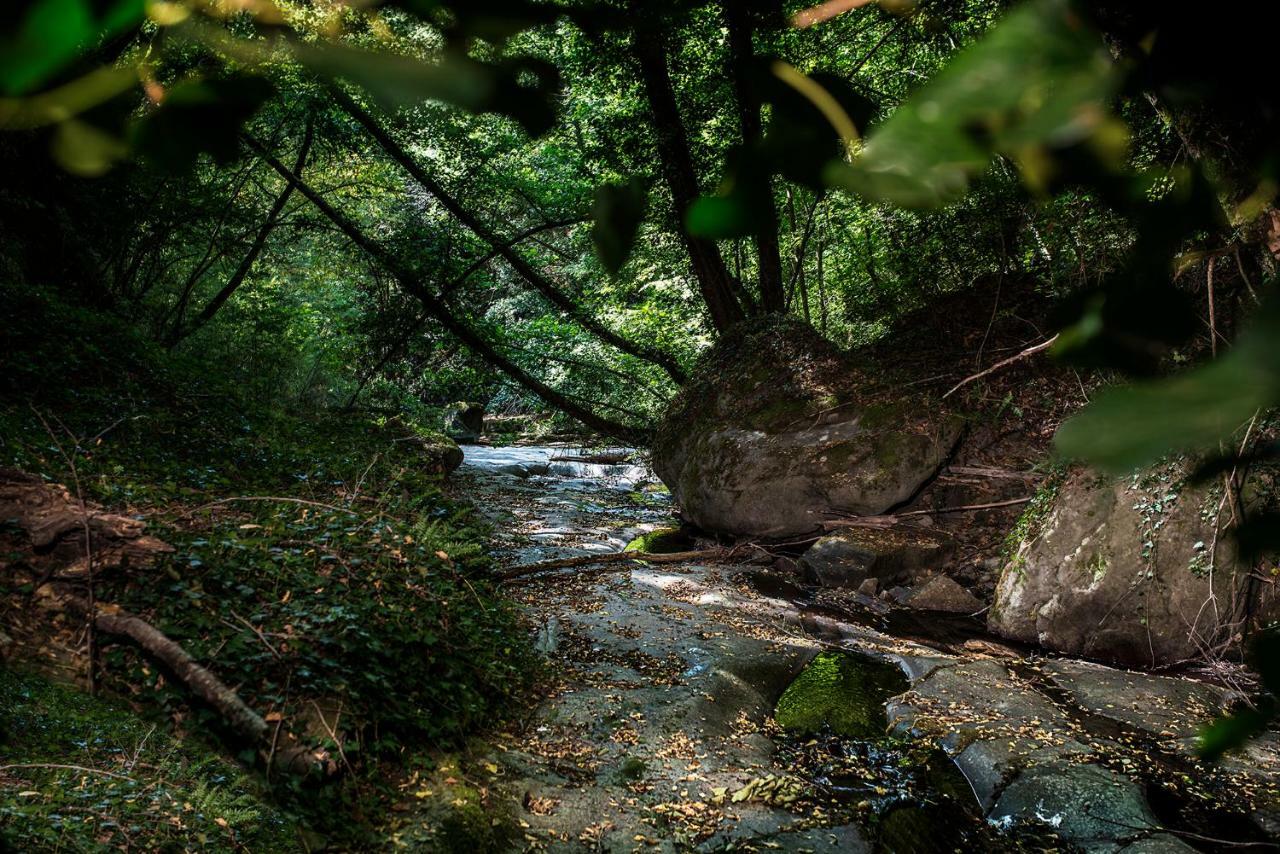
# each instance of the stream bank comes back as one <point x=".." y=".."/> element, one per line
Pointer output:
<point x="656" y="727"/>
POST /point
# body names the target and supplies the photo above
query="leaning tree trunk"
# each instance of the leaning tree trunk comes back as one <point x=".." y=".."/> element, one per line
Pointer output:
<point x="410" y="283"/>
<point x="505" y="248"/>
<point x="717" y="289"/>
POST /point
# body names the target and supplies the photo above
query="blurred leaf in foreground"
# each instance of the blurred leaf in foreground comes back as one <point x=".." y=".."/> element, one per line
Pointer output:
<point x="617" y="213"/>
<point x="1128" y="427"/>
<point x="1040" y="80"/>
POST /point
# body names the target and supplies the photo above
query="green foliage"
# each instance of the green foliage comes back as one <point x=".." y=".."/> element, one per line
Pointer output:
<point x="133" y="786"/>
<point x="1040" y="80"/>
<point x="346" y="585"/>
<point x="1232" y="731"/>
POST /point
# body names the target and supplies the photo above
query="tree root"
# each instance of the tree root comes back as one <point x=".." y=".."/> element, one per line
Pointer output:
<point x="244" y="722"/>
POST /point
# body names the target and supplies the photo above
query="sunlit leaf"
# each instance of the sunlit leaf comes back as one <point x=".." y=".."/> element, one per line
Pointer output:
<point x="86" y="150"/>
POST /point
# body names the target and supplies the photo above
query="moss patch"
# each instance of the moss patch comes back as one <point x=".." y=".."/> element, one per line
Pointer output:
<point x="841" y="692"/>
<point x="660" y="541"/>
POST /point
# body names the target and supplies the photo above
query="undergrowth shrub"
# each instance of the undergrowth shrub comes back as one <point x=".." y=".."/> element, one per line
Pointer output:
<point x="320" y="567"/>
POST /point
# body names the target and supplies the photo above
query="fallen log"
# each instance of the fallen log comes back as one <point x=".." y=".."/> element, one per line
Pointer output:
<point x="528" y="569"/>
<point x="200" y="681"/>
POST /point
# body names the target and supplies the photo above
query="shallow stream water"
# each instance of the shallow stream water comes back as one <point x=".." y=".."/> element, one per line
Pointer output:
<point x="892" y="792"/>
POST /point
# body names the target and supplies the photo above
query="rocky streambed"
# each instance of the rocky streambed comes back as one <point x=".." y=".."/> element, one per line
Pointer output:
<point x="725" y="707"/>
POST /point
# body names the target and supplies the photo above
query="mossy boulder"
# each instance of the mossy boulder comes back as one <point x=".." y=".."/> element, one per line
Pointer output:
<point x="464" y="421"/>
<point x="1128" y="570"/>
<point x="778" y="429"/>
<point x="841" y="692"/>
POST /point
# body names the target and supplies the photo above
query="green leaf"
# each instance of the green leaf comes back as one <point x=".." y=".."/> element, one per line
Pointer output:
<point x="1040" y="80"/>
<point x="1232" y="731"/>
<point x="1128" y="427"/>
<point x="52" y="33"/>
<point x="617" y="212"/>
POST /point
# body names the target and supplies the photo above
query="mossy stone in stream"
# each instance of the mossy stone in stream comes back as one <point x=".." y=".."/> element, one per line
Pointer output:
<point x="843" y="692"/>
<point x="660" y="541"/>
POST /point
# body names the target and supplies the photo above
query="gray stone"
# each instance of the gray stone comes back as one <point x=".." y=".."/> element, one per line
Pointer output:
<point x="1160" y="705"/>
<point x="1119" y="570"/>
<point x="869" y="587"/>
<point x="852" y="555"/>
<point x="777" y="431"/>
<point x="1089" y="806"/>
<point x="988" y="765"/>
<point x="897" y="594"/>
<point x="941" y="593"/>
<point x="1159" y="843"/>
<point x="464" y="422"/>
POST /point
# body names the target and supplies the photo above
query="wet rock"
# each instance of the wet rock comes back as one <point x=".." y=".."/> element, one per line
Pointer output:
<point x="940" y="593"/>
<point x="777" y="431"/>
<point x="897" y="594"/>
<point x="852" y="555"/>
<point x="464" y="422"/>
<point x="523" y="470"/>
<point x="1119" y="570"/>
<point x="1160" y="843"/>
<point x="1160" y="705"/>
<point x="1089" y="806"/>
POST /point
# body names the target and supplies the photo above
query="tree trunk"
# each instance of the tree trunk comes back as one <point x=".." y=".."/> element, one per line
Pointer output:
<point x="505" y="248"/>
<point x="409" y="282"/>
<point x="255" y="249"/>
<point x="741" y="57"/>
<point x="709" y="269"/>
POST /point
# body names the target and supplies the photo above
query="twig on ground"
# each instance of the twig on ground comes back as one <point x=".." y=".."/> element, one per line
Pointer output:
<point x="284" y="499"/>
<point x="1030" y="351"/>
<point x="888" y="519"/>
<point x="34" y="765"/>
<point x="612" y="557"/>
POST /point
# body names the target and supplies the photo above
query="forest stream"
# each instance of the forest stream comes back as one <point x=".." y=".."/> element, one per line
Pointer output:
<point x="579" y="426"/>
<point x="663" y="729"/>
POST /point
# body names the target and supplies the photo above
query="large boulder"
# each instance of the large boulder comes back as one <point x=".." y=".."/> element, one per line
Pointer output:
<point x="1127" y="570"/>
<point x="464" y="422"/>
<point x="778" y="430"/>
